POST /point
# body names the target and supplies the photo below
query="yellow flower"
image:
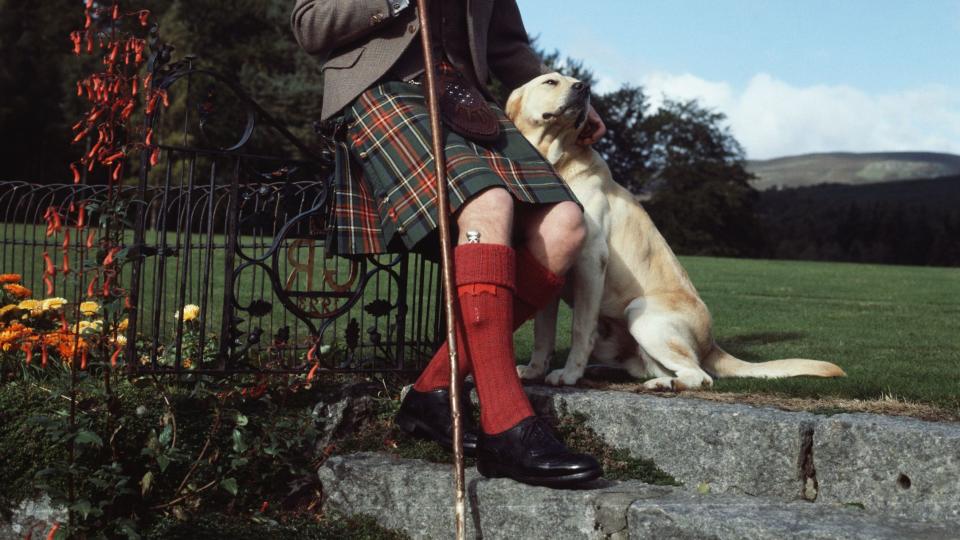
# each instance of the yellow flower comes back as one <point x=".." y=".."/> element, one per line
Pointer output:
<point x="190" y="312"/>
<point x="54" y="303"/>
<point x="123" y="325"/>
<point x="89" y="308"/>
<point x="7" y="309"/>
<point x="35" y="307"/>
<point x="120" y="340"/>
<point x="93" y="326"/>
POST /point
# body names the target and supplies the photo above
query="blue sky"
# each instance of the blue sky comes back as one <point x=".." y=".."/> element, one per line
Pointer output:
<point x="792" y="77"/>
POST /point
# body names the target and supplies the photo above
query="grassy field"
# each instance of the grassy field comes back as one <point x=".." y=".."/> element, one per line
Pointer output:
<point x="893" y="329"/>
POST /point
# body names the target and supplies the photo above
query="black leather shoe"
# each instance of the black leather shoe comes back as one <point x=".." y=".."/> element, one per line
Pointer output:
<point x="529" y="452"/>
<point x="426" y="415"/>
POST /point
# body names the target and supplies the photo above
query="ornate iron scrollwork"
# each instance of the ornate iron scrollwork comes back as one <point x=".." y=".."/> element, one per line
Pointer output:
<point x="256" y="226"/>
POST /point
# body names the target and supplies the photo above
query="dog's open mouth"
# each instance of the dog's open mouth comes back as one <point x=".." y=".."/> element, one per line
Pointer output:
<point x="576" y="105"/>
<point x="581" y="118"/>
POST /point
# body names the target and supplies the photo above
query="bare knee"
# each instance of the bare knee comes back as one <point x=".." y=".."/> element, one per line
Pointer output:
<point x="564" y="229"/>
<point x="555" y="235"/>
<point x="572" y="224"/>
<point x="490" y="213"/>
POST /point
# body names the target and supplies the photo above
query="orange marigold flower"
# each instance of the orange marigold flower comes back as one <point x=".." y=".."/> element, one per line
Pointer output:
<point x="14" y="334"/>
<point x="66" y="350"/>
<point x="18" y="291"/>
<point x="10" y="278"/>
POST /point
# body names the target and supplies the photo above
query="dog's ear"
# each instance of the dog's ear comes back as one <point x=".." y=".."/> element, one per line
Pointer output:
<point x="515" y="104"/>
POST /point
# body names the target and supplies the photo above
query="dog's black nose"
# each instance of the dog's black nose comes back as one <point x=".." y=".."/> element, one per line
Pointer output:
<point x="581" y="87"/>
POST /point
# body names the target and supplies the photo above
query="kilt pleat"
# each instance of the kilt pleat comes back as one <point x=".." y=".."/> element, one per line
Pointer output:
<point x="388" y="195"/>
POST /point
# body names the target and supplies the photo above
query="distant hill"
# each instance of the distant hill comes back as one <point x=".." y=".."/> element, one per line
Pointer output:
<point x="850" y="168"/>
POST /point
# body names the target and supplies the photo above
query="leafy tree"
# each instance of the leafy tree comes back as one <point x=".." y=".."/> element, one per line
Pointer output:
<point x="627" y="147"/>
<point x="34" y="113"/>
<point x="250" y="42"/>
<point x="703" y="202"/>
<point x="685" y="156"/>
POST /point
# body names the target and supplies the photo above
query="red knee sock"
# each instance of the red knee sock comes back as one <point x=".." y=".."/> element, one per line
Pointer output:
<point x="535" y="287"/>
<point x="485" y="281"/>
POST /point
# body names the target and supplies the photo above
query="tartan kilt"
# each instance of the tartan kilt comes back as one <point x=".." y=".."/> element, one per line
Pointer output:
<point x="384" y="201"/>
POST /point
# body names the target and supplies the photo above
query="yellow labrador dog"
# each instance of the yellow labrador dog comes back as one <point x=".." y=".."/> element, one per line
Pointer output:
<point x="633" y="304"/>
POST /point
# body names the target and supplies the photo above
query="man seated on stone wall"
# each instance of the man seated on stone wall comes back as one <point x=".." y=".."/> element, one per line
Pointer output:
<point x="518" y="226"/>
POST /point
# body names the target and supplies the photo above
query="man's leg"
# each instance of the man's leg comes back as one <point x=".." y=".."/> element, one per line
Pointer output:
<point x="485" y="275"/>
<point x="553" y="235"/>
<point x="513" y="443"/>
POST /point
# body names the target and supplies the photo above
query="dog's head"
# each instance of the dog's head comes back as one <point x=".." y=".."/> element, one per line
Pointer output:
<point x="550" y="111"/>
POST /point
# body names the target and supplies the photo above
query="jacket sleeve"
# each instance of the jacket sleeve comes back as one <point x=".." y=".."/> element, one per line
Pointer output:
<point x="321" y="26"/>
<point x="509" y="54"/>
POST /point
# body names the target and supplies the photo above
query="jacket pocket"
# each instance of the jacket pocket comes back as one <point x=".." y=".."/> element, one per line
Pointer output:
<point x="344" y="60"/>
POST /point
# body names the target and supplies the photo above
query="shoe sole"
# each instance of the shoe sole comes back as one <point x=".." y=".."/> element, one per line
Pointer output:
<point x="416" y="428"/>
<point x="491" y="469"/>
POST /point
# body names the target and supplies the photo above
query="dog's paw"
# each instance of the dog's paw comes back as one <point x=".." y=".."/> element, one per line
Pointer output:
<point x="660" y="384"/>
<point x="560" y="377"/>
<point x="530" y="372"/>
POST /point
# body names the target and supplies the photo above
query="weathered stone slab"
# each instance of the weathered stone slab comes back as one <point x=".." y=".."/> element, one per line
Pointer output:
<point x="895" y="465"/>
<point x="741" y="518"/>
<point x="732" y="448"/>
<point x="416" y="497"/>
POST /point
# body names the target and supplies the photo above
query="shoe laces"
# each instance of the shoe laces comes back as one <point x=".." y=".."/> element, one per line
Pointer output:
<point x="541" y="435"/>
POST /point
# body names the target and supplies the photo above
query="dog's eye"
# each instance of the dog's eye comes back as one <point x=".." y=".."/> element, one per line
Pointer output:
<point x="551" y="82"/>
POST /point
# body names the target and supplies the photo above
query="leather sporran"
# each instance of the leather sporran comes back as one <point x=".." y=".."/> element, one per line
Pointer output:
<point x="463" y="108"/>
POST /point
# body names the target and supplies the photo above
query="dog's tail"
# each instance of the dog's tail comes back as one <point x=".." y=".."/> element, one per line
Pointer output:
<point x="721" y="364"/>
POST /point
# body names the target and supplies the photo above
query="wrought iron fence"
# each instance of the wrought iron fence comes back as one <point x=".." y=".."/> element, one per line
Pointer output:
<point x="227" y="268"/>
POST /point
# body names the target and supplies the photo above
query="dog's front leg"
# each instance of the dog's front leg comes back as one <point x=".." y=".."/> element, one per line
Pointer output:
<point x="588" y="278"/>
<point x="544" y="342"/>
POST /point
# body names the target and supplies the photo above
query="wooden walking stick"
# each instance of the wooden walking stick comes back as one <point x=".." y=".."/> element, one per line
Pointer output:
<point x="447" y="265"/>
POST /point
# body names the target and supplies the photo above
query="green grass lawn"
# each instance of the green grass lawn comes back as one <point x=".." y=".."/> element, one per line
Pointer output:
<point x="893" y="329"/>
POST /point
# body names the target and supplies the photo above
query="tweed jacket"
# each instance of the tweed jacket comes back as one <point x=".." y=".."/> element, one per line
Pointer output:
<point x="361" y="41"/>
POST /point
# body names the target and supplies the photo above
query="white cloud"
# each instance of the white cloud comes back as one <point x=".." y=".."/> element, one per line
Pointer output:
<point x="773" y="118"/>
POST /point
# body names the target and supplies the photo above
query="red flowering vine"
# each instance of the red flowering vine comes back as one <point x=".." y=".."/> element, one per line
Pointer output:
<point x="114" y="92"/>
